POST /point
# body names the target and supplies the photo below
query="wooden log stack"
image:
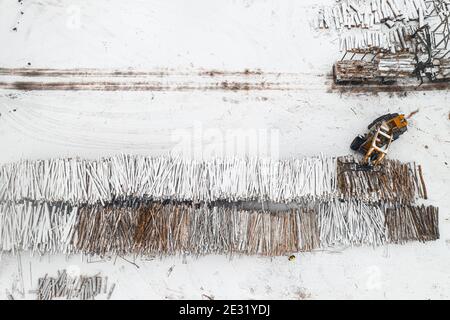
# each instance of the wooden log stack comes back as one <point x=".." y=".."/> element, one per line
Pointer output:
<point x="396" y="40"/>
<point x="348" y="14"/>
<point x="355" y="70"/>
<point x="397" y="66"/>
<point x="65" y="286"/>
<point x="443" y="68"/>
<point x="147" y="228"/>
<point x="323" y="205"/>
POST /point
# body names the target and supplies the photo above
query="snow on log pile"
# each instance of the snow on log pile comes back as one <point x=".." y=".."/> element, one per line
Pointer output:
<point x="151" y="228"/>
<point x="350" y="70"/>
<point x="443" y="66"/>
<point x="79" y="181"/>
<point x="375" y="25"/>
<point x="394" y="41"/>
<point x="367" y="13"/>
<point x="69" y="287"/>
<point x="164" y="205"/>
<point x="396" y="65"/>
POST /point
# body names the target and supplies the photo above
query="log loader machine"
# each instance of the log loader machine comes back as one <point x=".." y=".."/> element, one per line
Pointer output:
<point x="374" y="145"/>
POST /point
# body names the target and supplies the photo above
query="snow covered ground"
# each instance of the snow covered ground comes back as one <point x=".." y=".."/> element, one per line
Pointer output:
<point x="271" y="36"/>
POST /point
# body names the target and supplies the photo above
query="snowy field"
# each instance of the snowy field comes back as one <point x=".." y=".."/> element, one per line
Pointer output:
<point x="306" y="119"/>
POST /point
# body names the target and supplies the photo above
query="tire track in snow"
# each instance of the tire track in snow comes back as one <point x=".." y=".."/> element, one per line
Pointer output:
<point x="52" y="130"/>
<point x="156" y="80"/>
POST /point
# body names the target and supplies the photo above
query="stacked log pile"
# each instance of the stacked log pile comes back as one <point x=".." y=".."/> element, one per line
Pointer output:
<point x="397" y="40"/>
<point x="355" y="70"/>
<point x="153" y="228"/>
<point x="158" y="206"/>
<point x="79" y="181"/>
<point x="64" y="286"/>
<point x="400" y="65"/>
<point x="367" y="13"/>
<point x="167" y="178"/>
<point x="443" y="68"/>
<point x="378" y="25"/>
<point x="387" y="67"/>
<point x="422" y="223"/>
<point x="395" y="180"/>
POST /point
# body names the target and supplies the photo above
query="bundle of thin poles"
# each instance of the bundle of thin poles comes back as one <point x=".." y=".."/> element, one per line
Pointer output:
<point x="421" y="223"/>
<point x="395" y="40"/>
<point x="401" y="182"/>
<point x="167" y="178"/>
<point x="64" y="286"/>
<point x="36" y="226"/>
<point x="149" y="228"/>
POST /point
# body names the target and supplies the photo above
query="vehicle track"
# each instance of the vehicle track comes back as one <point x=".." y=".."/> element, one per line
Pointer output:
<point x="24" y="79"/>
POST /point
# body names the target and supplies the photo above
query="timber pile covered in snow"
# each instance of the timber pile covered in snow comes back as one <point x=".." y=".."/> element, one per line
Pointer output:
<point x="387" y="66"/>
<point x="149" y="228"/>
<point x="79" y="181"/>
<point x="394" y="41"/>
<point x="378" y="25"/>
<point x="349" y="70"/>
<point x="164" y="205"/>
<point x="396" y="181"/>
<point x="69" y="287"/>
<point x="368" y="13"/>
<point x="396" y="66"/>
<point x="443" y="66"/>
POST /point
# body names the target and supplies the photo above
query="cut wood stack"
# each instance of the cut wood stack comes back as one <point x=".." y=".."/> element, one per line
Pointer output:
<point x="151" y="228"/>
<point x="380" y="25"/>
<point x="354" y="70"/>
<point x="387" y="67"/>
<point x="393" y="180"/>
<point x="399" y="65"/>
<point x="395" y="40"/>
<point x="69" y="287"/>
<point x="368" y="13"/>
<point x="443" y="68"/>
<point x="141" y="205"/>
<point x="80" y="181"/>
<point x="424" y="223"/>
